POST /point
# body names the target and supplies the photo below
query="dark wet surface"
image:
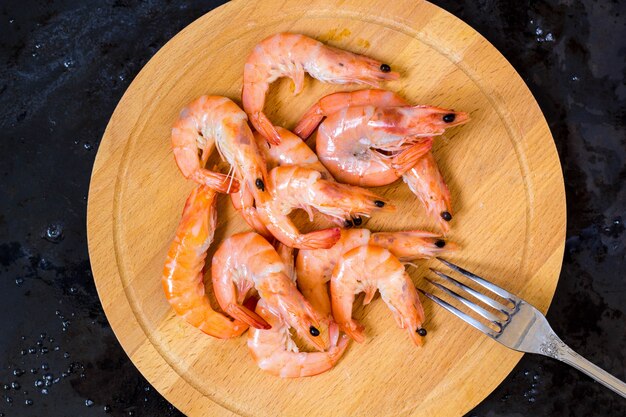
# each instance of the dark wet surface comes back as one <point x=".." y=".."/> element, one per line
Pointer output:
<point x="66" y="64"/>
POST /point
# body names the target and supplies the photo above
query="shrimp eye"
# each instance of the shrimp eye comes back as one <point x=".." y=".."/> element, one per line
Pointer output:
<point x="379" y="203"/>
<point x="260" y="184"/>
<point x="440" y="243"/>
<point x="314" y="332"/>
<point x="446" y="216"/>
<point x="357" y="221"/>
<point x="449" y="118"/>
<point x="421" y="331"/>
<point x="385" y="68"/>
<point x="348" y="223"/>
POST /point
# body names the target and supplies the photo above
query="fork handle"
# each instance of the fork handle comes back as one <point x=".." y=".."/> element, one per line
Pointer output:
<point x="572" y="358"/>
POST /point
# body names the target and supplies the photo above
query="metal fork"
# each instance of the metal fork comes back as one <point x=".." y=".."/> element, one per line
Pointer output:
<point x="518" y="326"/>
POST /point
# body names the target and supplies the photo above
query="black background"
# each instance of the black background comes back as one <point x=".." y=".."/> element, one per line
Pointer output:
<point x="65" y="65"/>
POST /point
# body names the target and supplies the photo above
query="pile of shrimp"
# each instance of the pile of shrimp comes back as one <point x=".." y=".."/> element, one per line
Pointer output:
<point x="275" y="279"/>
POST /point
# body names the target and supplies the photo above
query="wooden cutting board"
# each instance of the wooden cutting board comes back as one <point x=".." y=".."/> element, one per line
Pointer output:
<point x="502" y="169"/>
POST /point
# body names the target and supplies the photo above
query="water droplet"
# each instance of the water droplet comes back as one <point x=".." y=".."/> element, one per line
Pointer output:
<point x="48" y="376"/>
<point x="526" y="373"/>
<point x="106" y="408"/>
<point x="549" y="37"/>
<point x="57" y="312"/>
<point x="38" y="383"/>
<point x="47" y="383"/>
<point x="146" y="389"/>
<point x="28" y="401"/>
<point x="87" y="146"/>
<point x="51" y="339"/>
<point x="536" y="377"/>
<point x="23" y="352"/>
<point x="73" y="290"/>
<point x="68" y="63"/>
<point x="19" y="281"/>
<point x="18" y="372"/>
<point x="8" y="399"/>
<point x="32" y="350"/>
<point x="6" y="387"/>
<point x="88" y="403"/>
<point x="56" y="380"/>
<point x="56" y="348"/>
<point x="538" y="31"/>
<point x="39" y="343"/>
<point x="15" y="385"/>
<point x="44" y="391"/>
<point x="33" y="371"/>
<point x="45" y="366"/>
<point x="37" y="45"/>
<point x="531" y="400"/>
<point x="54" y="232"/>
<point x="66" y="355"/>
<point x="42" y="335"/>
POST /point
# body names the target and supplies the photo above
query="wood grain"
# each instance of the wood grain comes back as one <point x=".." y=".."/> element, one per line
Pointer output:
<point x="502" y="168"/>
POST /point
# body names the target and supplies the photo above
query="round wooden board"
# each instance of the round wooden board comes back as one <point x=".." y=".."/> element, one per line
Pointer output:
<point x="502" y="168"/>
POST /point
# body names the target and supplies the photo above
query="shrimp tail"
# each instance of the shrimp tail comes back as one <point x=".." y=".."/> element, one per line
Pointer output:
<point x="406" y="159"/>
<point x="354" y="329"/>
<point x="244" y="314"/>
<point x="309" y="121"/>
<point x="319" y="239"/>
<point x="265" y="127"/>
<point x="218" y="182"/>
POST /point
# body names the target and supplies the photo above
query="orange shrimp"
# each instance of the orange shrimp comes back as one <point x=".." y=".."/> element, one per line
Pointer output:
<point x="215" y="120"/>
<point x="353" y="140"/>
<point x="182" y="274"/>
<point x="367" y="269"/>
<point x="296" y="187"/>
<point x="275" y="352"/>
<point x="314" y="268"/>
<point x="424" y="178"/>
<point x="245" y="261"/>
<point x="291" y="55"/>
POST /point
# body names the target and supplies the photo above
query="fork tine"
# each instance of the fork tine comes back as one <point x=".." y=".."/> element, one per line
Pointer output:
<point x="469" y="320"/>
<point x="481" y="281"/>
<point x="487" y="300"/>
<point x="478" y="309"/>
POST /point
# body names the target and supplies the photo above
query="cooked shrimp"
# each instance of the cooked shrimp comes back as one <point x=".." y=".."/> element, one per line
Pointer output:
<point x="367" y="269"/>
<point x="182" y="274"/>
<point x="215" y="120"/>
<point x="245" y="261"/>
<point x="275" y="352"/>
<point x="424" y="179"/>
<point x="291" y="55"/>
<point x="427" y="183"/>
<point x="334" y="102"/>
<point x="314" y="268"/>
<point x="353" y="140"/>
<point x="296" y="187"/>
